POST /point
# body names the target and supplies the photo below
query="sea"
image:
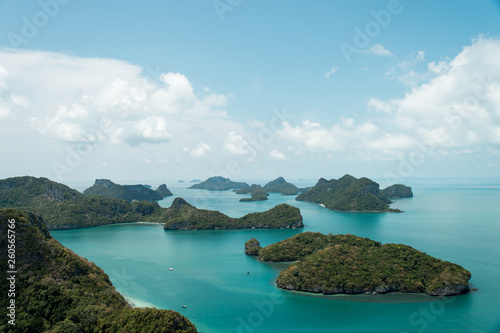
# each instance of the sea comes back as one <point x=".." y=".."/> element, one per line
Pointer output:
<point x="206" y="276"/>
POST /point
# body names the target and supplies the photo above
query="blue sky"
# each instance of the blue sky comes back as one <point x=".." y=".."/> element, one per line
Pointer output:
<point x="249" y="89"/>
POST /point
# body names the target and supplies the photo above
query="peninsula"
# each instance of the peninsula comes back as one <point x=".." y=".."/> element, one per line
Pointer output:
<point x="58" y="291"/>
<point x="348" y="264"/>
<point x="355" y="195"/>
<point x="183" y="216"/>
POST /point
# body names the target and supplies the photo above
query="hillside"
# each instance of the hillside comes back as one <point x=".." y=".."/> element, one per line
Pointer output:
<point x="59" y="292"/>
<point x="107" y="188"/>
<point x="348" y="264"/>
<point x="282" y="186"/>
<point x="218" y="184"/>
<point x="164" y="191"/>
<point x="183" y="216"/>
<point x="351" y="194"/>
<point x="397" y="191"/>
<point x="65" y="208"/>
<point x="256" y="191"/>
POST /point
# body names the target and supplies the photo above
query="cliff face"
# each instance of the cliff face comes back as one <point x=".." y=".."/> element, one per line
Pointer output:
<point x="59" y="291"/>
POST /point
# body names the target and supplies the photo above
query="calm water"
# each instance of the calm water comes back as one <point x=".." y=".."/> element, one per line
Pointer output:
<point x="455" y="220"/>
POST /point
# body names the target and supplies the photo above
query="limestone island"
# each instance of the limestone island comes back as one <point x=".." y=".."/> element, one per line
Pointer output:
<point x="107" y="188"/>
<point x="348" y="264"/>
<point x="218" y="184"/>
<point x="183" y="216"/>
<point x="58" y="291"/>
<point x="256" y="191"/>
<point x="280" y="185"/>
<point x="351" y="194"/>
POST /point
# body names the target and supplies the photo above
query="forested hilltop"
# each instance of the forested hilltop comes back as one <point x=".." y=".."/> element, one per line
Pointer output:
<point x="107" y="188"/>
<point x="348" y="264"/>
<point x="183" y="216"/>
<point x="57" y="291"/>
<point x="352" y="194"/>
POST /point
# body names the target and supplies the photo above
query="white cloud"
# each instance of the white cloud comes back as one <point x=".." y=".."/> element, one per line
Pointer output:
<point x="85" y="92"/>
<point x="331" y="72"/>
<point x="277" y="155"/>
<point x="200" y="150"/>
<point x="235" y="144"/>
<point x="379" y="49"/>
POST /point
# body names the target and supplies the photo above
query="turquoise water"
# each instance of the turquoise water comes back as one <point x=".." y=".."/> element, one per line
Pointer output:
<point x="454" y="220"/>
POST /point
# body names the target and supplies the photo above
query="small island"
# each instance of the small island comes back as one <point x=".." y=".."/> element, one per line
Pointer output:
<point x="108" y="189"/>
<point x="256" y="191"/>
<point x="348" y="264"/>
<point x="218" y="184"/>
<point x="183" y="216"/>
<point x="280" y="185"/>
<point x="351" y="194"/>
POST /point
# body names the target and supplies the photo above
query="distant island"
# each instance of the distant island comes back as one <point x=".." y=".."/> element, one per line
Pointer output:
<point x="356" y="195"/>
<point x="282" y="186"/>
<point x="183" y="216"/>
<point x="218" y="184"/>
<point x="348" y="264"/>
<point x="107" y="188"/>
<point x="195" y="181"/>
<point x="256" y="191"/>
<point x="59" y="291"/>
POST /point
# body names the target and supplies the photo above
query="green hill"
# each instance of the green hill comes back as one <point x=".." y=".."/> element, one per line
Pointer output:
<point x="164" y="191"/>
<point x="218" y="184"/>
<point x="397" y="191"/>
<point x="107" y="188"/>
<point x="57" y="291"/>
<point x="351" y="194"/>
<point x="183" y="216"/>
<point x="348" y="264"/>
<point x="282" y="186"/>
<point x="257" y="192"/>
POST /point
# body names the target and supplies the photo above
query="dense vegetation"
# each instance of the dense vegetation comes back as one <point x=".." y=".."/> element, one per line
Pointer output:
<point x="182" y="215"/>
<point x="107" y="188"/>
<point x="58" y="291"/>
<point x="282" y="186"/>
<point x="65" y="208"/>
<point x="332" y="264"/>
<point x="218" y="184"/>
<point x="350" y="194"/>
<point x="164" y="191"/>
<point x="397" y="191"/>
<point x="257" y="192"/>
<point x="252" y="247"/>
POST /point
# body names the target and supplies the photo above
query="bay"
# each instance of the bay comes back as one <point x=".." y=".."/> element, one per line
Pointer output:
<point x="226" y="291"/>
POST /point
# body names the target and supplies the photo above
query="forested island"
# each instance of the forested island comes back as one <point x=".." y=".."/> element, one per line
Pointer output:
<point x="348" y="264"/>
<point x="183" y="216"/>
<point x="107" y="188"/>
<point x="218" y="184"/>
<point x="355" y="195"/>
<point x="57" y="291"/>
<point x="256" y="191"/>
<point x="282" y="186"/>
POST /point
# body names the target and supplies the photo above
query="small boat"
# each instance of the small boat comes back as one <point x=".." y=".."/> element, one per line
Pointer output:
<point x="184" y="306"/>
<point x="170" y="269"/>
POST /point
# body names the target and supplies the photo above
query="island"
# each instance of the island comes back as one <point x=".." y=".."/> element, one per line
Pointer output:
<point x="58" y="291"/>
<point x="107" y="188"/>
<point x="256" y="191"/>
<point x="282" y="186"/>
<point x="163" y="191"/>
<point x="218" y="184"/>
<point x="348" y="264"/>
<point x="183" y="216"/>
<point x="351" y="194"/>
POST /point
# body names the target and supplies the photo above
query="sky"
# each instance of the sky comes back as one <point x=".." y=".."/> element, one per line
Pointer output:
<point x="164" y="90"/>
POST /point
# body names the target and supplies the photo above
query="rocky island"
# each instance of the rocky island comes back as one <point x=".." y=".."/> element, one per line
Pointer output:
<point x="218" y="184"/>
<point x="58" y="291"/>
<point x="354" y="195"/>
<point x="183" y="216"/>
<point x="256" y="191"/>
<point x="106" y="188"/>
<point x="348" y="264"/>
<point x="282" y="186"/>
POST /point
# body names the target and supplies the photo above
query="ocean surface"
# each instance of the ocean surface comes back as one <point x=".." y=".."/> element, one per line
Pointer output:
<point x="457" y="220"/>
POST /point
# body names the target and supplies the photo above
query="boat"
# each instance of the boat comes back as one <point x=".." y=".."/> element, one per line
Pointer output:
<point x="184" y="306"/>
<point x="170" y="269"/>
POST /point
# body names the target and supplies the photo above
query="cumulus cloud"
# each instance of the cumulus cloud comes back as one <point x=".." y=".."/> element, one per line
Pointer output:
<point x="379" y="49"/>
<point x="85" y="93"/>
<point x="200" y="150"/>
<point x="277" y="155"/>
<point x="236" y="144"/>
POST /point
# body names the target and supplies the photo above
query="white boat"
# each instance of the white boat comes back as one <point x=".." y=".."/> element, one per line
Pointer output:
<point x="170" y="269"/>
